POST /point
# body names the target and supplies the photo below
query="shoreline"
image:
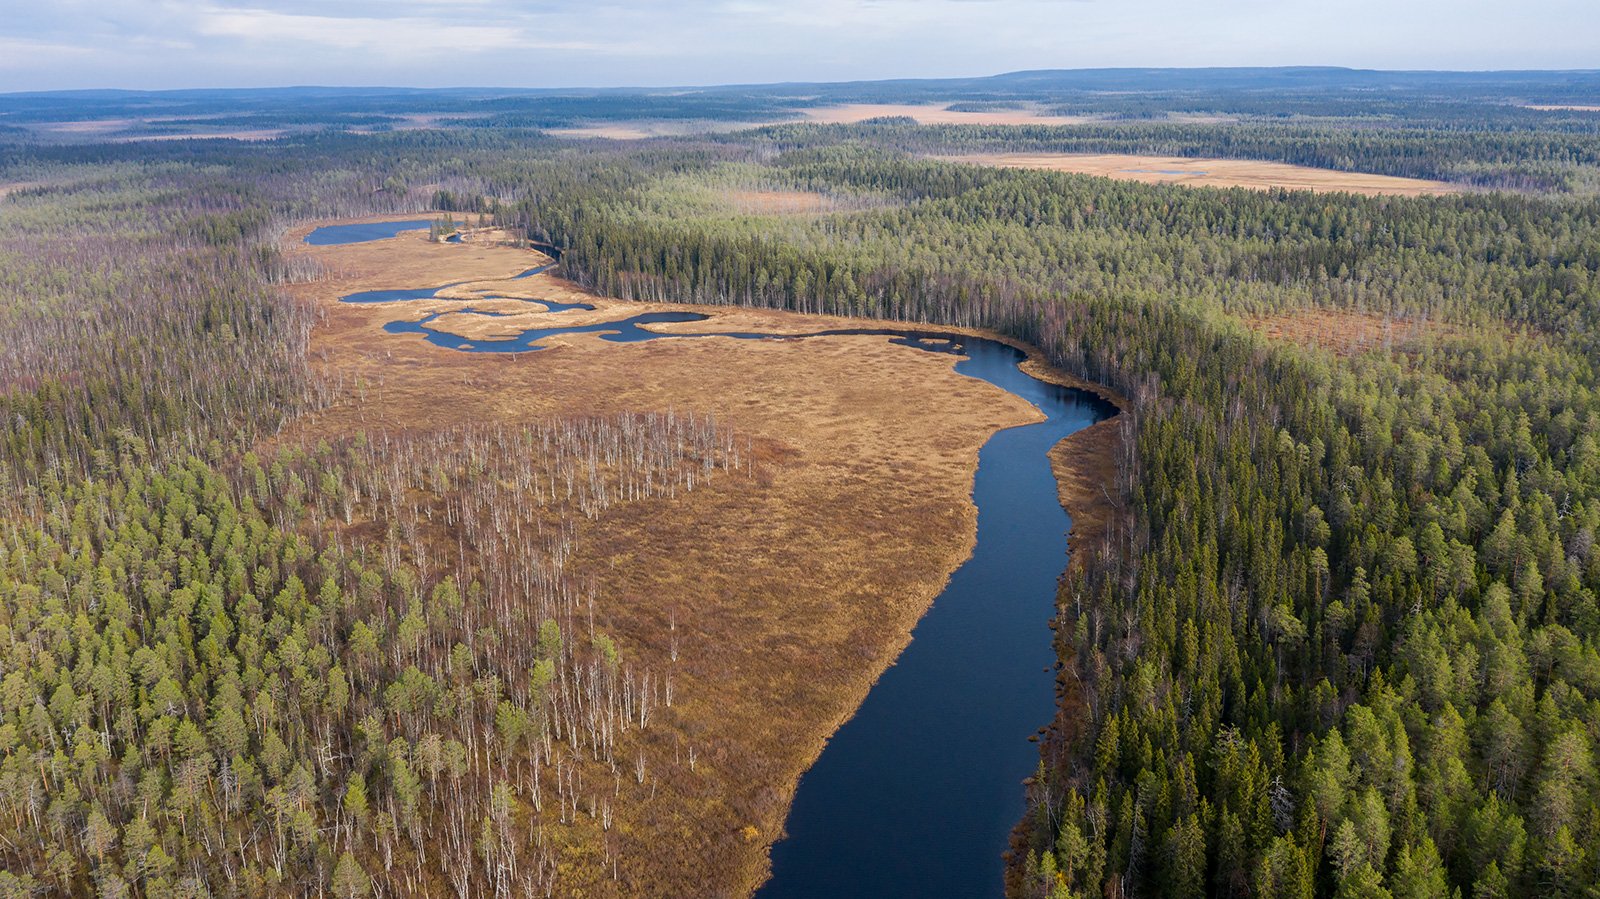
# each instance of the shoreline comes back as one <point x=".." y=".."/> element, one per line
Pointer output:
<point x="767" y="789"/>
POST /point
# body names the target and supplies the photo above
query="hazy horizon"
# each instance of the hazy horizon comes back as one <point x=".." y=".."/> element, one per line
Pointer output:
<point x="157" y="44"/>
<point x="518" y="88"/>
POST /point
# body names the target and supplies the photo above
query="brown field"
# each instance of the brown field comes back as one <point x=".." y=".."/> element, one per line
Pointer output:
<point x="935" y="114"/>
<point x="1344" y="332"/>
<point x="1211" y="172"/>
<point x="88" y="126"/>
<point x="644" y="129"/>
<point x="792" y="586"/>
<point x="925" y="114"/>
<point x="114" y="129"/>
<point x="605" y="132"/>
<point x="779" y="202"/>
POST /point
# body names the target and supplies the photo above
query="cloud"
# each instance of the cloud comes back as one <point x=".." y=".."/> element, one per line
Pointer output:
<point x="406" y="35"/>
<point x="550" y="43"/>
<point x="23" y="53"/>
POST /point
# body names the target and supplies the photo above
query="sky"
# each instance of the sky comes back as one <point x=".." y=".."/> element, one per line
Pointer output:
<point x="156" y="44"/>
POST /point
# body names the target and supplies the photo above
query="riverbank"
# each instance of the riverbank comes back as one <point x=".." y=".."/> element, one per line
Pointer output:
<point x="793" y="587"/>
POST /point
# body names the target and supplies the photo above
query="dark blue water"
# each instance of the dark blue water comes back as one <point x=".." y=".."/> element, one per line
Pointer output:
<point x="393" y="296"/>
<point x="329" y="235"/>
<point x="625" y="331"/>
<point x="916" y="795"/>
<point x="534" y="271"/>
<point x="404" y="294"/>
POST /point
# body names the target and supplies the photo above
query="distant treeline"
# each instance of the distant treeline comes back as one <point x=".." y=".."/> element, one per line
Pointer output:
<point x="1534" y="159"/>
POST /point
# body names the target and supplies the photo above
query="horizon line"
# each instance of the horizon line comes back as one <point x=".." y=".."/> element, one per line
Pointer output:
<point x="1156" y="69"/>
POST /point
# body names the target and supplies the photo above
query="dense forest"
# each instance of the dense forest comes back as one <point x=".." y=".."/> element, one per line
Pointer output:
<point x="1349" y="646"/>
<point x="1550" y="154"/>
<point x="1347" y="642"/>
<point x="353" y="667"/>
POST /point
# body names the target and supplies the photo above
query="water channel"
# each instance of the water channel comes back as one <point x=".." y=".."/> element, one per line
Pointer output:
<point x="916" y="795"/>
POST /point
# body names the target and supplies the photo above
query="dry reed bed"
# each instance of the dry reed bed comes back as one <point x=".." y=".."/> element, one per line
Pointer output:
<point x="1253" y="174"/>
<point x="774" y="595"/>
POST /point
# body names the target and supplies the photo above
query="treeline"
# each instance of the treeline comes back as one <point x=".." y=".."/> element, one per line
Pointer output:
<point x="1556" y="156"/>
<point x="1352" y="646"/>
<point x="350" y="669"/>
<point x="967" y="241"/>
<point x="138" y="290"/>
<point x="122" y="304"/>
<point x="342" y="670"/>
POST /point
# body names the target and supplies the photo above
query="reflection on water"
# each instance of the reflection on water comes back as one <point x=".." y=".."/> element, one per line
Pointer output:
<point x="332" y="235"/>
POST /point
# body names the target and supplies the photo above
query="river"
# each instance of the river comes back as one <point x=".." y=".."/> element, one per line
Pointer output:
<point x="916" y="795"/>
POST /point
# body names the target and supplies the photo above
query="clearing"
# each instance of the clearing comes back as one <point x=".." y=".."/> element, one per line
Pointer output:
<point x="791" y="586"/>
<point x="923" y="113"/>
<point x="1344" y="332"/>
<point x="758" y="201"/>
<point x="117" y="130"/>
<point x="937" y="114"/>
<point x="644" y="129"/>
<point x="1253" y="174"/>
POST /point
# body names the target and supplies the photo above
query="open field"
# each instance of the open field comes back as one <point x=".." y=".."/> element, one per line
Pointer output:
<point x="923" y="113"/>
<point x="792" y="586"/>
<point x="129" y="129"/>
<point x="1345" y="332"/>
<point x="1566" y="107"/>
<point x="936" y="114"/>
<point x="88" y="126"/>
<point x="637" y="131"/>
<point x="779" y="202"/>
<point x="643" y="129"/>
<point x="116" y="130"/>
<point x="1211" y="172"/>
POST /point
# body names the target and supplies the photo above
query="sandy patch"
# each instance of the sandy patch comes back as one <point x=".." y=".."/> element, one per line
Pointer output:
<point x="1211" y="172"/>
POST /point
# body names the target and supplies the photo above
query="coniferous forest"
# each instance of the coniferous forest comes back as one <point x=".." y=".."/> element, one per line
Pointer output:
<point x="1342" y="639"/>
